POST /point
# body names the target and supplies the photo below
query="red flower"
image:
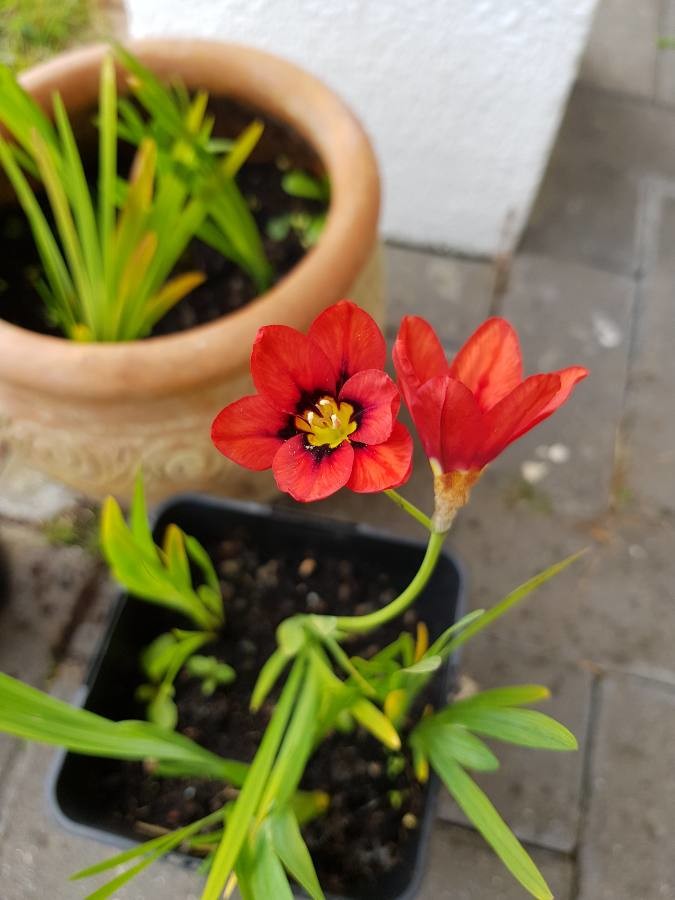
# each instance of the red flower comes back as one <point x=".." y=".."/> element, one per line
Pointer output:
<point x="467" y="412"/>
<point x="325" y="413"/>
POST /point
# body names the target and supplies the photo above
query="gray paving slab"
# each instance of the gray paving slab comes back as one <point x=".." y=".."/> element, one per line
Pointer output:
<point x="29" y="496"/>
<point x="665" y="63"/>
<point x="44" y="584"/>
<point x="621" y="53"/>
<point x="571" y="314"/>
<point x="462" y="867"/>
<point x="633" y="136"/>
<point x="454" y="294"/>
<point x="613" y="607"/>
<point x="649" y="428"/>
<point x="537" y="793"/>
<point x="37" y="855"/>
<point x="627" y="847"/>
<point x="586" y="207"/>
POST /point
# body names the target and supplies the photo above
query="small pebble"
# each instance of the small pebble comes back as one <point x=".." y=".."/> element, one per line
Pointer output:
<point x="190" y="792"/>
<point x="374" y="769"/>
<point x="314" y="602"/>
<point x="230" y="567"/>
<point x="307" y="567"/>
<point x="344" y="592"/>
<point x="409" y="821"/>
<point x="410" y="617"/>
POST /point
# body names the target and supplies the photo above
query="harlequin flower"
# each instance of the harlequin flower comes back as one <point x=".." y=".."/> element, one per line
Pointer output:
<point x="468" y="411"/>
<point x="325" y="413"/>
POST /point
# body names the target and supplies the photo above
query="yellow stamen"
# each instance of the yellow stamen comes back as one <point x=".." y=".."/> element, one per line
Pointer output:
<point x="328" y="424"/>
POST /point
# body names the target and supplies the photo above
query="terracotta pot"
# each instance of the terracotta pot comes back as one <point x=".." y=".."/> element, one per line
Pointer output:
<point x="90" y="414"/>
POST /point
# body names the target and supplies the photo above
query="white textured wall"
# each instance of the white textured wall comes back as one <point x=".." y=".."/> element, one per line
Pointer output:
<point x="462" y="97"/>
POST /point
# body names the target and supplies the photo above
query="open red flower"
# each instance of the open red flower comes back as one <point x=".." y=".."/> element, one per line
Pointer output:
<point x="325" y="413"/>
<point x="468" y="411"/>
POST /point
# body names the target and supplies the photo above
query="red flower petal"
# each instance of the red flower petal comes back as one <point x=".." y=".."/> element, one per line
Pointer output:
<point x="379" y="467"/>
<point x="519" y="412"/>
<point x="418" y="356"/>
<point x="287" y="366"/>
<point x="312" y="473"/>
<point x="462" y="429"/>
<point x="568" y="379"/>
<point x="376" y="400"/>
<point x="426" y="408"/>
<point x="247" y="432"/>
<point x="349" y="338"/>
<point x="490" y="363"/>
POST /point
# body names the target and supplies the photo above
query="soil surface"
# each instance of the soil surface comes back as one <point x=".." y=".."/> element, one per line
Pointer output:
<point x="376" y="804"/>
<point x="226" y="288"/>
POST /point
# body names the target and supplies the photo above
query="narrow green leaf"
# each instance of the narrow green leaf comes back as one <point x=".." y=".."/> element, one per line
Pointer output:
<point x="293" y="853"/>
<point x="375" y="721"/>
<point x="480" y="811"/>
<point x="268" y="677"/>
<point x="261" y="873"/>
<point x="525" y="727"/>
<point x="516" y="695"/>
<point x="511" y="600"/>
<point x="456" y="742"/>
<point x="301" y="184"/>
<point x="242" y="148"/>
<point x="247" y="802"/>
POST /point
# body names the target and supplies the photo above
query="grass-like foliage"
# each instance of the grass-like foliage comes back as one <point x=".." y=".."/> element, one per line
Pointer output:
<point x="229" y="226"/>
<point x="106" y="272"/>
<point x="160" y="575"/>
<point x="30" y="30"/>
<point x="109" y="254"/>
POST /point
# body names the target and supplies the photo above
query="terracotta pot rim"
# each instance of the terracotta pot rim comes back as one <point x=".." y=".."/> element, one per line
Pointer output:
<point x="178" y="362"/>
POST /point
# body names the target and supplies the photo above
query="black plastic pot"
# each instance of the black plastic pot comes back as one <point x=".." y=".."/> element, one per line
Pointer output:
<point x="114" y="672"/>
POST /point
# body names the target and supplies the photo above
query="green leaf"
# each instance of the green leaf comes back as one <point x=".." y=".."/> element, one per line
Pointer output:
<point x="517" y="695"/>
<point x="440" y="643"/>
<point x="268" y="677"/>
<point x="291" y="637"/>
<point x="301" y="184"/>
<point x="260" y="872"/>
<point x="151" y="850"/>
<point x="478" y="809"/>
<point x="228" y="851"/>
<point x="450" y="741"/>
<point x="33" y="715"/>
<point x="156" y="658"/>
<point x="139" y="521"/>
<point x="511" y="600"/>
<point x="293" y="853"/>
<point x="525" y="727"/>
<point x="162" y="710"/>
<point x="375" y="721"/>
<point x="425" y="666"/>
<point x="176" y="557"/>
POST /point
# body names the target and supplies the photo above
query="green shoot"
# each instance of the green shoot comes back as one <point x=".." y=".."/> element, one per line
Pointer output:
<point x="212" y="672"/>
<point x="106" y="273"/>
<point x="306" y="225"/>
<point x="200" y="160"/>
<point x="33" y="715"/>
<point x="160" y="575"/>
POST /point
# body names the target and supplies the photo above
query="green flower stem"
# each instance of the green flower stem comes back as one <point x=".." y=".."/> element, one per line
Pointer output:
<point x="361" y="624"/>
<point x="410" y="508"/>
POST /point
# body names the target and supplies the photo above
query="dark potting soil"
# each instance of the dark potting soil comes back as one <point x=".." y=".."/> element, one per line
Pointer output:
<point x="226" y="288"/>
<point x="376" y="804"/>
